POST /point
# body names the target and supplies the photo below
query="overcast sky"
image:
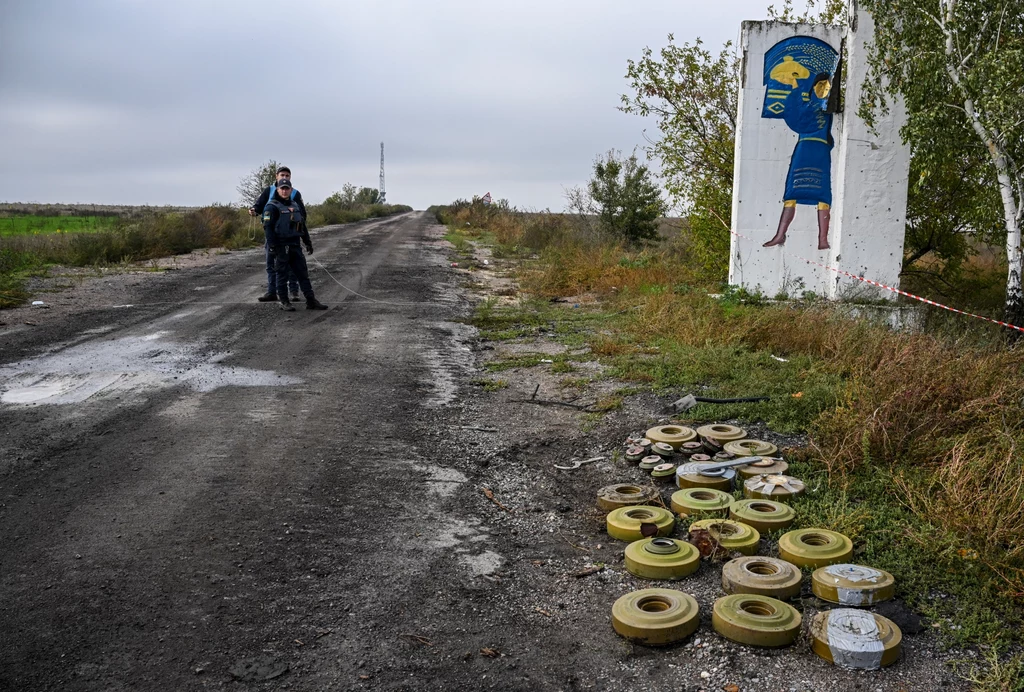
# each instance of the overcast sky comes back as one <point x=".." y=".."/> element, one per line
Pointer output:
<point x="139" y="102"/>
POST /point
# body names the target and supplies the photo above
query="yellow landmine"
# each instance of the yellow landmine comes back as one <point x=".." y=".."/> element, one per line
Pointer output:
<point x="852" y="585"/>
<point x="625" y="523"/>
<point x="750" y="448"/>
<point x="764" y="515"/>
<point x="722" y="433"/>
<point x="773" y="487"/>
<point x="855" y="639"/>
<point x="701" y="502"/>
<point x="762" y="576"/>
<point x="625" y="494"/>
<point x="661" y="558"/>
<point x="674" y="435"/>
<point x="731" y="535"/>
<point x="815" y="548"/>
<point x="772" y="467"/>
<point x="656" y="617"/>
<point x="689" y="475"/>
<point x="756" y="620"/>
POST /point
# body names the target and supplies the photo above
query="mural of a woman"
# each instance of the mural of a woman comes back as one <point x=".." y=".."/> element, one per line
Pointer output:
<point x="809" y="180"/>
<point x="798" y="75"/>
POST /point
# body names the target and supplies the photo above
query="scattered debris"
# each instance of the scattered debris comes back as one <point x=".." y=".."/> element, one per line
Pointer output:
<point x="479" y="429"/>
<point x="573" y="545"/>
<point x="543" y="612"/>
<point x="707" y="544"/>
<point x="490" y="496"/>
<point x="38" y="302"/>
<point x="489" y="652"/>
<point x="588" y="571"/>
<point x="577" y="464"/>
<point x="689" y="401"/>
<point x="585" y="408"/>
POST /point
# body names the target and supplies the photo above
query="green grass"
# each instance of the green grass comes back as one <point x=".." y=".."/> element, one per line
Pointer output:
<point x="29" y="224"/>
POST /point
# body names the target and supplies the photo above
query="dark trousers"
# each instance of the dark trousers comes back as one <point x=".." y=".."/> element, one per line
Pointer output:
<point x="291" y="263"/>
<point x="272" y="276"/>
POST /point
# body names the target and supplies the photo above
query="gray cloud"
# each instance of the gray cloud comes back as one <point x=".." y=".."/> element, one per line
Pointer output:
<point x="125" y="101"/>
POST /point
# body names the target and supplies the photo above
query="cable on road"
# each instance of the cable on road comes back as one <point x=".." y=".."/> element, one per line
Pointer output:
<point x="372" y="300"/>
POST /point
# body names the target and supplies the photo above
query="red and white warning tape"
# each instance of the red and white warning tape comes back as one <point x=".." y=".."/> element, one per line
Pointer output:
<point x="888" y="288"/>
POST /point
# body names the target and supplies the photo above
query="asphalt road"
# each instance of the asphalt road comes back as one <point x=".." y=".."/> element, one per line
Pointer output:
<point x="199" y="480"/>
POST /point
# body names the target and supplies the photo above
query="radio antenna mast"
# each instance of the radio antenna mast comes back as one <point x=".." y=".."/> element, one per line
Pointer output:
<point x="380" y="197"/>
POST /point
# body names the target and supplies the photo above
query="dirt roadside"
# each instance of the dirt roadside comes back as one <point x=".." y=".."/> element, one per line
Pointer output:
<point x="200" y="491"/>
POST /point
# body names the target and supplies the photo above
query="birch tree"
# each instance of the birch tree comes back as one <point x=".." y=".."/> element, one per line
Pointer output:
<point x="959" y="65"/>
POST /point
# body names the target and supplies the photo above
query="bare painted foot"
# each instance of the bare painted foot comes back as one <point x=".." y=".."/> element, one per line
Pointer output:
<point x="777" y="240"/>
<point x="823" y="245"/>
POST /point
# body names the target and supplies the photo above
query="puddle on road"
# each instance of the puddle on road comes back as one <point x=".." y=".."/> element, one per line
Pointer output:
<point x="104" y="368"/>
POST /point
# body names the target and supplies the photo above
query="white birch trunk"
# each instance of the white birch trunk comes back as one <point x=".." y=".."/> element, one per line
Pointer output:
<point x="1004" y="176"/>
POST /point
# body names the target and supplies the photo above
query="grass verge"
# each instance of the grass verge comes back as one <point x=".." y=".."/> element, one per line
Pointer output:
<point x="914" y="438"/>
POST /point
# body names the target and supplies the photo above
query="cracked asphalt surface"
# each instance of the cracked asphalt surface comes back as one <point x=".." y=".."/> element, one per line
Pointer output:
<point x="203" y="492"/>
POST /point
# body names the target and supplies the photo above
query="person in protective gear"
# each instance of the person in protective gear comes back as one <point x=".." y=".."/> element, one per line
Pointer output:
<point x="283" y="173"/>
<point x="284" y="229"/>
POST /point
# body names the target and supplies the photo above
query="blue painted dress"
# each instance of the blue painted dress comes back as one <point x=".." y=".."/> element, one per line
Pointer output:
<point x="809" y="180"/>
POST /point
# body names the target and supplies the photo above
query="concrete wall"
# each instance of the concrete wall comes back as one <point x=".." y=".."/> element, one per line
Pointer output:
<point x="871" y="188"/>
<point x="763" y="150"/>
<point x="869" y="182"/>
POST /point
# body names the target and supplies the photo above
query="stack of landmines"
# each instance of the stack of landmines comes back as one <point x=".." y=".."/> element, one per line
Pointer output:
<point x="754" y="610"/>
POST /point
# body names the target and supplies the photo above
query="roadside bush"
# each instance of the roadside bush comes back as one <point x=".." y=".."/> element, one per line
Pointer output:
<point x="334" y="210"/>
<point x="132" y="238"/>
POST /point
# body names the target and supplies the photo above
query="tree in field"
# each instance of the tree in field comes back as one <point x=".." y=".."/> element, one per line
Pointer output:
<point x="623" y="198"/>
<point x="345" y="199"/>
<point x="367" y="195"/>
<point x="692" y="94"/>
<point x="959" y="67"/>
<point x="250" y="187"/>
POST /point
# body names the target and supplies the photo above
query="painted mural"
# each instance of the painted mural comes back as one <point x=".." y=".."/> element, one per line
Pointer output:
<point x="798" y="75"/>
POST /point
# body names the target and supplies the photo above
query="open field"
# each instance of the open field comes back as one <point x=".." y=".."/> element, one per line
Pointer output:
<point x="28" y="225"/>
<point x="31" y="241"/>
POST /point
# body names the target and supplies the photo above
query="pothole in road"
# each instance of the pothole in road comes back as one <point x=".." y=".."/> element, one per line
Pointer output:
<point x="81" y="372"/>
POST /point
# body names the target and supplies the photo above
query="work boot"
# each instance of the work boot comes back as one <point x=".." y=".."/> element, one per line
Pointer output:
<point x="314" y="304"/>
<point x="286" y="304"/>
<point x="267" y="297"/>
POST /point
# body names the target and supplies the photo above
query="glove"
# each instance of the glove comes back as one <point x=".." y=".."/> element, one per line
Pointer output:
<point x="309" y="248"/>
